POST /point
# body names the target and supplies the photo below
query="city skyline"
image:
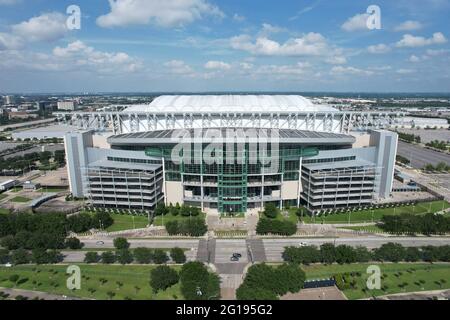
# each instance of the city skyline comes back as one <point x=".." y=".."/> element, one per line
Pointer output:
<point x="200" y="45"/>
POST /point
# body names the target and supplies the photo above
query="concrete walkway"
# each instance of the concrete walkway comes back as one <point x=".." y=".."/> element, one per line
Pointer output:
<point x="34" y="294"/>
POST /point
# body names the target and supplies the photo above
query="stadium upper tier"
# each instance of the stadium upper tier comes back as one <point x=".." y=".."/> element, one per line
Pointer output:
<point x="230" y="103"/>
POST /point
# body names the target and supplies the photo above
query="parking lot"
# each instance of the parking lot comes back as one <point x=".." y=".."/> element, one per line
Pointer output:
<point x="419" y="156"/>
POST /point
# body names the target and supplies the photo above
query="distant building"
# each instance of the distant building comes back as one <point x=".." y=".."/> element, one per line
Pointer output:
<point x="21" y="115"/>
<point x="4" y="186"/>
<point x="10" y="100"/>
<point x="28" y="185"/>
<point x="67" y="105"/>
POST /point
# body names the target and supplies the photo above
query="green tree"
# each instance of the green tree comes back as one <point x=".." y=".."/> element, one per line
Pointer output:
<point x="4" y="256"/>
<point x="20" y="256"/>
<point x="271" y="211"/>
<point x="163" y="277"/>
<point x="160" y="256"/>
<point x="74" y="243"/>
<point x="121" y="243"/>
<point x="197" y="283"/>
<point x="177" y="255"/>
<point x="91" y="257"/>
<point x="345" y="254"/>
<point x="392" y="252"/>
<point x="124" y="256"/>
<point x="108" y="257"/>
<point x="302" y="255"/>
<point x="143" y="255"/>
<point x="327" y="253"/>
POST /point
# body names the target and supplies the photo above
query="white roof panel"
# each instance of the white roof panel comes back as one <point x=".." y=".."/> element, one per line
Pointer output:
<point x="230" y="103"/>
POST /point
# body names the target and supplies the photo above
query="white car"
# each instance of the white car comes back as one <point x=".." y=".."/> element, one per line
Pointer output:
<point x="303" y="244"/>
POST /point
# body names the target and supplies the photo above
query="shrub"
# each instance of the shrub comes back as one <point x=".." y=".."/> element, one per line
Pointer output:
<point x="160" y="256"/>
<point x="271" y="211"/>
<point x="393" y="252"/>
<point x="163" y="277"/>
<point x="108" y="257"/>
<point x="91" y="257"/>
<point x="121" y="243"/>
<point x="74" y="243"/>
<point x="177" y="255"/>
<point x="124" y="256"/>
<point x="4" y="256"/>
<point x="143" y="255"/>
<point x="20" y="256"/>
<point x="278" y="227"/>
<point x="303" y="255"/>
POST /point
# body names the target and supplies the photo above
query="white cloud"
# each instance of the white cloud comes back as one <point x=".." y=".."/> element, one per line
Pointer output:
<point x="10" y="42"/>
<point x="378" y="48"/>
<point x="414" y="58"/>
<point x="405" y="71"/>
<point x="167" y="13"/>
<point x="268" y="29"/>
<point x="438" y="52"/>
<point x="284" y="70"/>
<point x="178" y="67"/>
<point x="409" y="25"/>
<point x="336" y="60"/>
<point x="9" y="2"/>
<point x="356" y="23"/>
<point x="76" y="57"/>
<point x="340" y="70"/>
<point x="246" y="65"/>
<point x="217" y="65"/>
<point x="81" y="55"/>
<point x="238" y="17"/>
<point x="411" y="41"/>
<point x="46" y="27"/>
<point x="311" y="44"/>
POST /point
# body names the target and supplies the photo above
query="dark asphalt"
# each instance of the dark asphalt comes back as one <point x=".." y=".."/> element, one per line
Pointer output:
<point x="419" y="156"/>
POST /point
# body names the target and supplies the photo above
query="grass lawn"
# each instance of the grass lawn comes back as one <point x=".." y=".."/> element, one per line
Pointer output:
<point x="20" y="199"/>
<point x="4" y="211"/>
<point x="125" y="222"/>
<point x="414" y="276"/>
<point x="366" y="228"/>
<point x="366" y="215"/>
<point x="3" y="196"/>
<point x="158" y="221"/>
<point x="53" y="279"/>
<point x="52" y="190"/>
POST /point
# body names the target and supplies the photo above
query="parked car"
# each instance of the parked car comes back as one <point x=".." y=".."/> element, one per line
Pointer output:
<point x="234" y="259"/>
<point x="237" y="255"/>
<point x="303" y="244"/>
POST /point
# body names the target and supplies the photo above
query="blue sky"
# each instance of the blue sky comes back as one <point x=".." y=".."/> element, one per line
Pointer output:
<point x="224" y="45"/>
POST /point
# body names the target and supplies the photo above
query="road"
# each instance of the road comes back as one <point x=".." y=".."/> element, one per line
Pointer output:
<point x="262" y="250"/>
<point x="419" y="156"/>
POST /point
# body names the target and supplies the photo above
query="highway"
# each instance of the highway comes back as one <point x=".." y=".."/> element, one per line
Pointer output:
<point x="419" y="156"/>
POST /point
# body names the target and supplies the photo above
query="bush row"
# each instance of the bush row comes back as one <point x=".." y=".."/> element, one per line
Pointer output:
<point x="195" y="227"/>
<point x="138" y="255"/>
<point x="343" y="254"/>
<point x="409" y="223"/>
<point x="276" y="227"/>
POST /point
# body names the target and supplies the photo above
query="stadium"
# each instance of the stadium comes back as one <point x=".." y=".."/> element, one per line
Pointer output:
<point x="230" y="154"/>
